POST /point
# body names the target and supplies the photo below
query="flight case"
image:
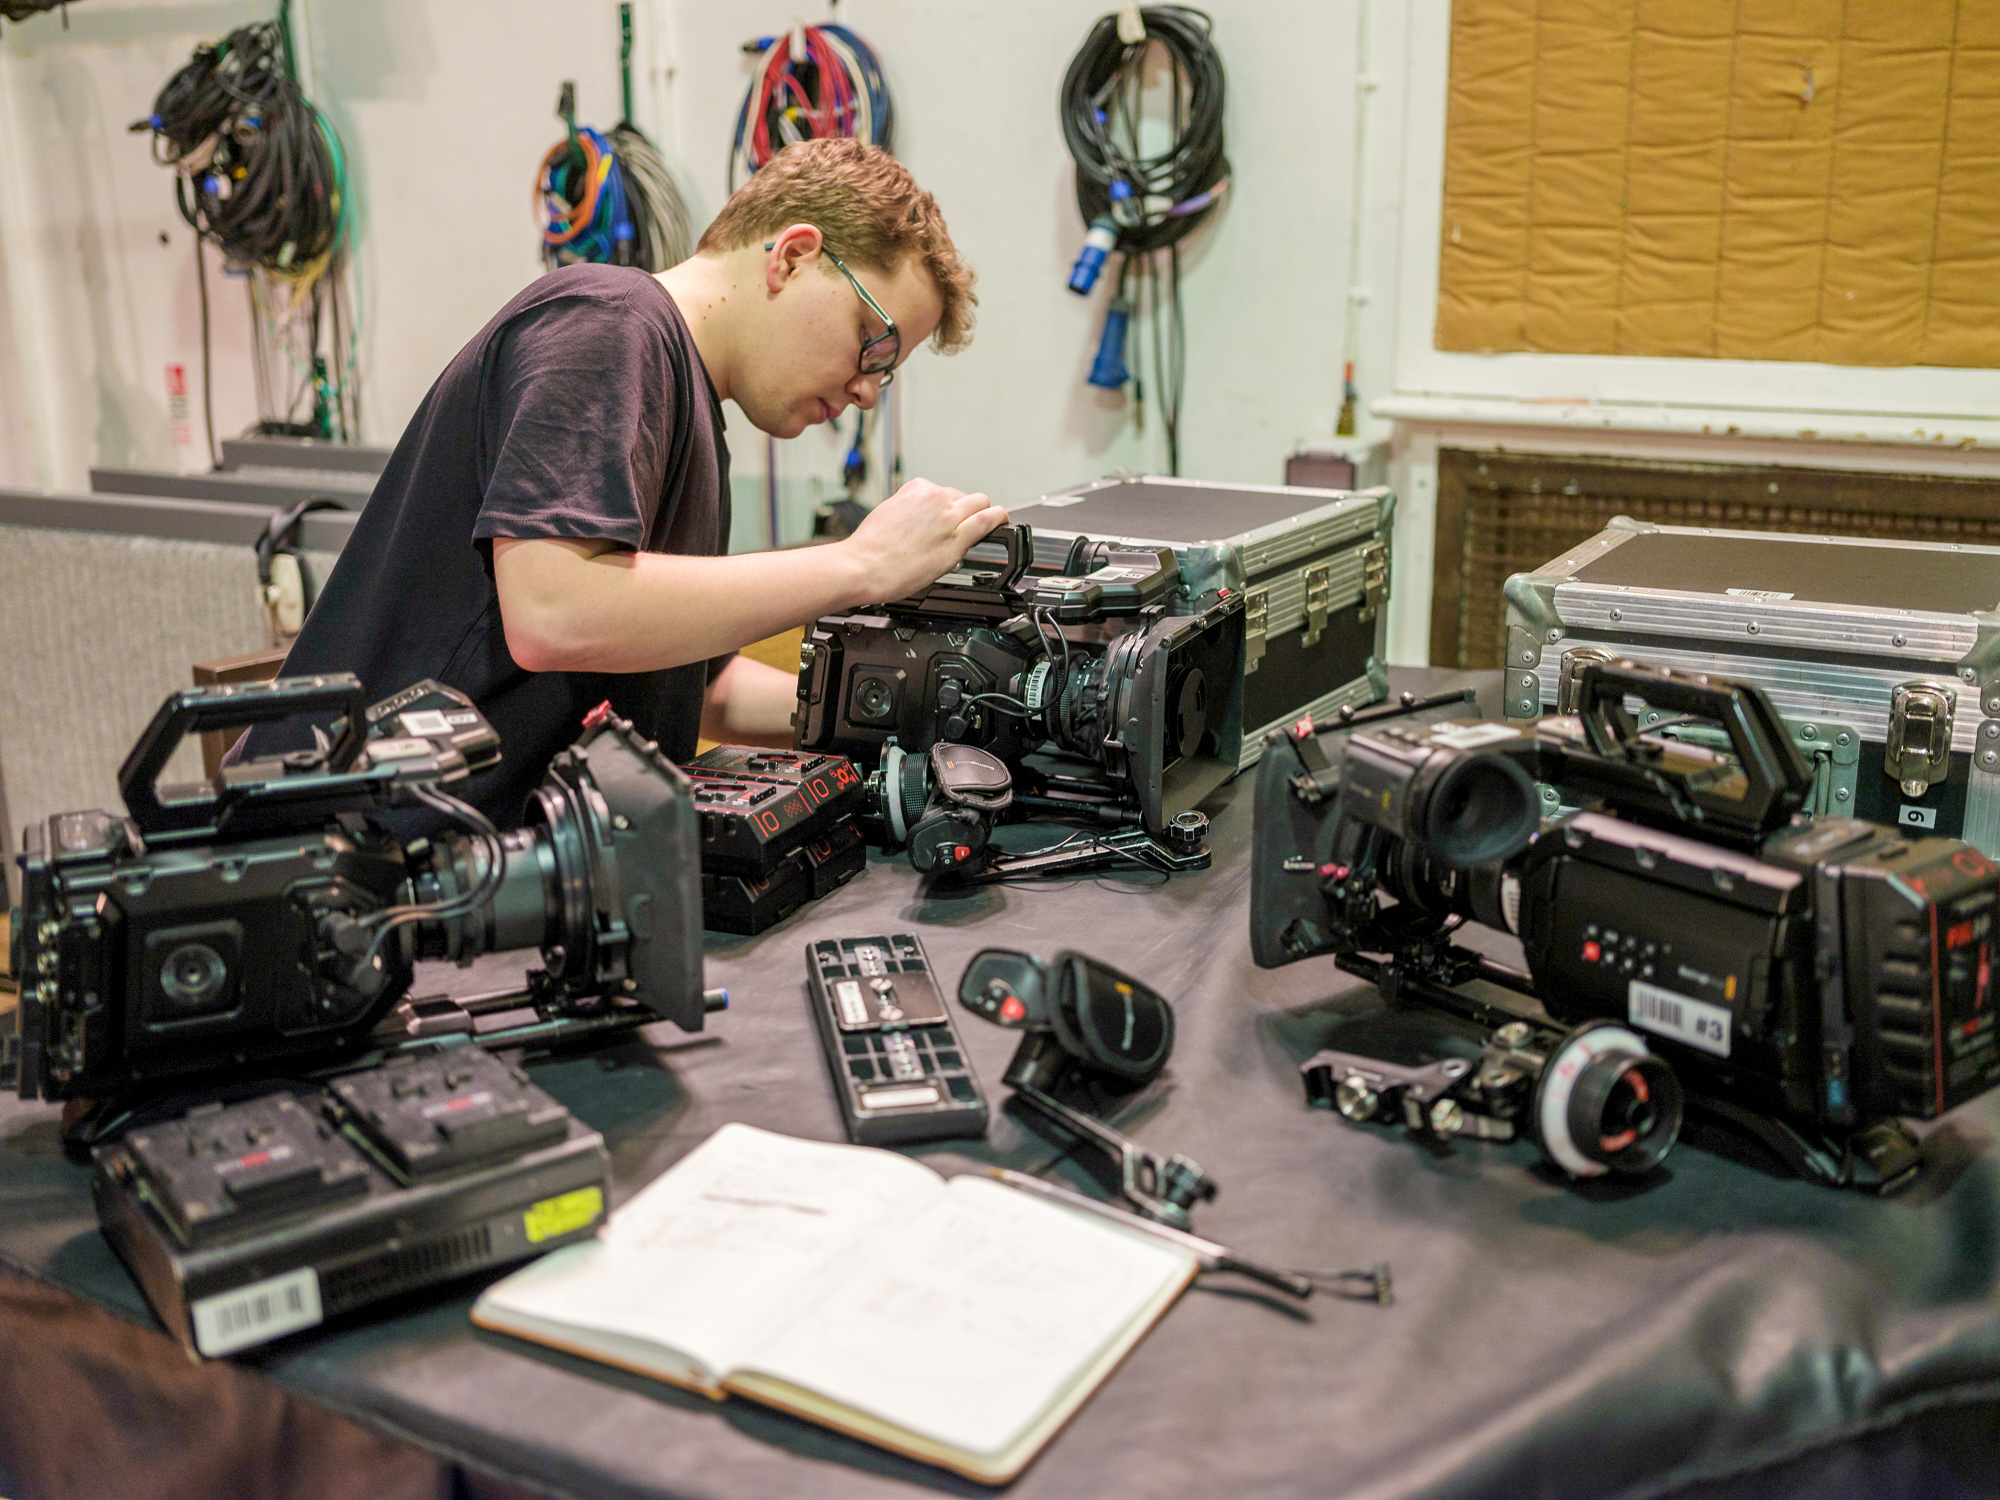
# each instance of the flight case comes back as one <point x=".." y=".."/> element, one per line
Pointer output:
<point x="1883" y="656"/>
<point x="1313" y="566"/>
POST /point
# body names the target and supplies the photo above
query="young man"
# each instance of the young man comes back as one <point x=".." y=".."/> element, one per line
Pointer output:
<point x="550" y="531"/>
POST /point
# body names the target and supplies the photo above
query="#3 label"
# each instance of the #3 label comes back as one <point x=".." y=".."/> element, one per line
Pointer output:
<point x="1685" y="1019"/>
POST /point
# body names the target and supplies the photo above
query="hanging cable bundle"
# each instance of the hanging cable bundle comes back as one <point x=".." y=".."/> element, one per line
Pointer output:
<point x="1150" y="201"/>
<point x="260" y="175"/>
<point x="258" y="171"/>
<point x="583" y="196"/>
<point x="1140" y="203"/>
<point x="812" y="82"/>
<point x="610" y="197"/>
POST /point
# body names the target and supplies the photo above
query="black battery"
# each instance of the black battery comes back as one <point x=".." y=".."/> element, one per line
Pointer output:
<point x="750" y="904"/>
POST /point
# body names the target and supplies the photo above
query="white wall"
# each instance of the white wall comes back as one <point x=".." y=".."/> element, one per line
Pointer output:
<point x="445" y="106"/>
<point x="1910" y="420"/>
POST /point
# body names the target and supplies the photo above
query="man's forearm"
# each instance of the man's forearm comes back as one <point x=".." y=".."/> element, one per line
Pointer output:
<point x="646" y="611"/>
<point x="577" y="606"/>
<point x="750" y="703"/>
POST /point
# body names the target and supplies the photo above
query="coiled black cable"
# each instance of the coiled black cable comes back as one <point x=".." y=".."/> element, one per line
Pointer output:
<point x="1151" y="202"/>
<point x="256" y="173"/>
<point x="259" y="174"/>
<point x="1154" y="201"/>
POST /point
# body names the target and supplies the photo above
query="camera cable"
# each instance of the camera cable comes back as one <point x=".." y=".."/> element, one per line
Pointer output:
<point x="379" y="924"/>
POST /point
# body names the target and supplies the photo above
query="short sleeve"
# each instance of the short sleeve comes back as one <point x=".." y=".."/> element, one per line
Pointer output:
<point x="575" y="424"/>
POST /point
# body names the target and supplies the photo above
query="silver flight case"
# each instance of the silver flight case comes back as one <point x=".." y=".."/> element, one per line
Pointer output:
<point x="1313" y="566"/>
<point x="1883" y="656"/>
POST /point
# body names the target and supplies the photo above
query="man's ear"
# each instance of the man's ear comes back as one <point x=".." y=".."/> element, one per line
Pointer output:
<point x="794" y="250"/>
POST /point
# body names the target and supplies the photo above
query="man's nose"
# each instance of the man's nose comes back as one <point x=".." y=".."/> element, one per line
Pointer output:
<point x="864" y="391"/>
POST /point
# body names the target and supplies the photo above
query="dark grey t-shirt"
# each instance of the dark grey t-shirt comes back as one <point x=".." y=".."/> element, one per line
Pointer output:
<point x="582" y="410"/>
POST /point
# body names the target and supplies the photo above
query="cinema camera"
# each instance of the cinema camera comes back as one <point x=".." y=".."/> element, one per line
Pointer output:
<point x="266" y="921"/>
<point x="1807" y="979"/>
<point x="1107" y="695"/>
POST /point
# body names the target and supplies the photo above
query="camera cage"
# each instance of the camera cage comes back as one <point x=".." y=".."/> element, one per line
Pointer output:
<point x="630" y="951"/>
<point x="1730" y="804"/>
<point x="1157" y="678"/>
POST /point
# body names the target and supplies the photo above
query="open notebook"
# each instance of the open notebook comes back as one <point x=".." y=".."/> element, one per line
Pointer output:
<point x="960" y="1322"/>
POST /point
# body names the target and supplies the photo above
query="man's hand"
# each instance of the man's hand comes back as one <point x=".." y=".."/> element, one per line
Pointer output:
<point x="917" y="534"/>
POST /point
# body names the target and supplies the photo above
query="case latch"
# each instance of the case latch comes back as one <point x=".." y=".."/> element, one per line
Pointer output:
<point x="1256" y="609"/>
<point x="1374" y="577"/>
<point x="1318" y="580"/>
<point x="1918" y="751"/>
<point x="1569" y="686"/>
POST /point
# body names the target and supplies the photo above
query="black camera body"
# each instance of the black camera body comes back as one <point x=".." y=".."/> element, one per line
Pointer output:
<point x="1108" y="694"/>
<point x="1810" y="978"/>
<point x="266" y="919"/>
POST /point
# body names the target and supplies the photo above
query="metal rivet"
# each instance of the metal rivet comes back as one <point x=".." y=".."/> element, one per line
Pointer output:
<point x="1809" y="732"/>
<point x="1617" y="614"/>
<point x="1989" y="758"/>
<point x="1555" y="635"/>
<point x="1754" y="627"/>
<point x="1840" y="794"/>
<point x="619" y="820"/>
<point x="1842" y="738"/>
<point x="1897" y="640"/>
<point x="1968" y="674"/>
<point x="1528" y="656"/>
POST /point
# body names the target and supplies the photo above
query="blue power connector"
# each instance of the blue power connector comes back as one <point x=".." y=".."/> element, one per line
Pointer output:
<point x="1108" y="370"/>
<point x="1097" y="243"/>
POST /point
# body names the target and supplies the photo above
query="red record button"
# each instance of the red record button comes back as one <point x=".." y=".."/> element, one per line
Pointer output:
<point x="961" y="854"/>
<point x="1011" y="1009"/>
<point x="1591" y="953"/>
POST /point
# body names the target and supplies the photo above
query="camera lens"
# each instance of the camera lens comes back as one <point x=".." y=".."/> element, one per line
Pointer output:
<point x="193" y="976"/>
<point x="1481" y="808"/>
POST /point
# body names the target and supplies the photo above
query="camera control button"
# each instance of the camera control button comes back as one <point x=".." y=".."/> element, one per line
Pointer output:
<point x="1591" y="953"/>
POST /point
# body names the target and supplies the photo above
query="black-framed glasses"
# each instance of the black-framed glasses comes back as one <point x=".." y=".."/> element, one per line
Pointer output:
<point x="879" y="354"/>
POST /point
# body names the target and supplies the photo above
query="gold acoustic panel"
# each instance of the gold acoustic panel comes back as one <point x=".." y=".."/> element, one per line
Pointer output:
<point x="1727" y="179"/>
<point x="1505" y="513"/>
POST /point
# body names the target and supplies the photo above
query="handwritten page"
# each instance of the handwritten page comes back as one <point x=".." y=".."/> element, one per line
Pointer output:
<point x="973" y="1321"/>
<point x="719" y="1251"/>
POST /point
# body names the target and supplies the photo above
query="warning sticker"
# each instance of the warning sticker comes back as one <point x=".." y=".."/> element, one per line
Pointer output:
<point x="556" y="1216"/>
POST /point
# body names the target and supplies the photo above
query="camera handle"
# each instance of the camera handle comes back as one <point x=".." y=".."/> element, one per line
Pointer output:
<point x="1019" y="540"/>
<point x="1779" y="780"/>
<point x="197" y="710"/>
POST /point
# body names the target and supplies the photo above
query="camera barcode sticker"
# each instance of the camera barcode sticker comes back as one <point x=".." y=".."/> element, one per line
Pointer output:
<point x="1665" y="1013"/>
<point x="266" y="1309"/>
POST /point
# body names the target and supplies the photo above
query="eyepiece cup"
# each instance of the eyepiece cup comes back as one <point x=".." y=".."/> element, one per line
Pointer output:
<point x="1480" y="809"/>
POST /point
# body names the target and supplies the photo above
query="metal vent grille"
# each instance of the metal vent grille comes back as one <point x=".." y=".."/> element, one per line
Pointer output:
<point x="409" y="1266"/>
<point x="1506" y="513"/>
